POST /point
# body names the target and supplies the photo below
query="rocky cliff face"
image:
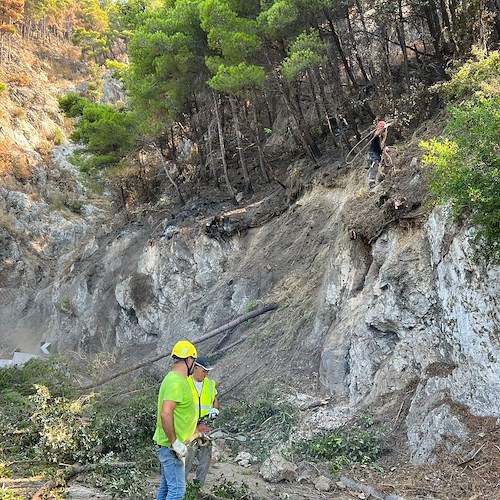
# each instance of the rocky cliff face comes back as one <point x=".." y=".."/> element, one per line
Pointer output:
<point x="356" y="321"/>
<point x="411" y="312"/>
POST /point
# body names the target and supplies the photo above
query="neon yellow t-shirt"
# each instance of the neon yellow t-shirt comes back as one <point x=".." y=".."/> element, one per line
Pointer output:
<point x="176" y="388"/>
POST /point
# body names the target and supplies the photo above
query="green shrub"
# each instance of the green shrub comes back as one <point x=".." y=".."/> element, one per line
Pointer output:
<point x="58" y="137"/>
<point x="465" y="160"/>
<point x="119" y="69"/>
<point x="72" y="104"/>
<point x="49" y="426"/>
<point x="466" y="170"/>
<point x="232" y="490"/>
<point x="359" y="442"/>
<point x="4" y="470"/>
<point x="475" y="78"/>
<point x="6" y="494"/>
<point x="66" y="306"/>
<point x="3" y="87"/>
<point x="126" y="430"/>
<point x="266" y="418"/>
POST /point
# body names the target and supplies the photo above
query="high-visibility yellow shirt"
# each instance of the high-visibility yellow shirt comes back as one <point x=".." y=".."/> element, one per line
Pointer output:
<point x="176" y="388"/>
<point x="205" y="401"/>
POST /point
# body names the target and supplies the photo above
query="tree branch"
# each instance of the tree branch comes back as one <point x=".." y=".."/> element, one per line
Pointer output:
<point x="209" y="335"/>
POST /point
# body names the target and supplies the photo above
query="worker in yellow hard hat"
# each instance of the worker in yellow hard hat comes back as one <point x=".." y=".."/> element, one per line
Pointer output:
<point x="176" y="421"/>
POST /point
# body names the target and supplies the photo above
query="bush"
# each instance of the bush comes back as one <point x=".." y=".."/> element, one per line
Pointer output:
<point x="129" y="429"/>
<point x="341" y="447"/>
<point x="475" y="78"/>
<point x="6" y="494"/>
<point x="266" y="418"/>
<point x="466" y="170"/>
<point x="465" y="161"/>
<point x="41" y="420"/>
<point x="73" y="104"/>
<point x="107" y="134"/>
<point x="119" y="69"/>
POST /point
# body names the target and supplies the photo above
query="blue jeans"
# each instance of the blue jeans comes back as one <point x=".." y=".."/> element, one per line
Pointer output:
<point x="173" y="480"/>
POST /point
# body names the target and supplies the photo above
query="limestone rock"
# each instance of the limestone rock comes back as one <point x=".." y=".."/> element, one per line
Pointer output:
<point x="276" y="468"/>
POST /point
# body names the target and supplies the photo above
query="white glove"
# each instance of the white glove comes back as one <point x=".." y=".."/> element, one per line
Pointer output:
<point x="179" y="448"/>
<point x="213" y="414"/>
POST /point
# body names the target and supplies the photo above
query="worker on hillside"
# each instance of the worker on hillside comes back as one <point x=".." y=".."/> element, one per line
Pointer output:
<point x="175" y="422"/>
<point x="376" y="152"/>
<point x="204" y="392"/>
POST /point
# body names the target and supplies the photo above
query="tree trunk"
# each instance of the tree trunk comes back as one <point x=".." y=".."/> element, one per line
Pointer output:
<point x="313" y="97"/>
<point x="371" y="69"/>
<point x="222" y="146"/>
<point x="341" y="53"/>
<point x="212" y="333"/>
<point x="239" y="145"/>
<point x="211" y="160"/>
<point x="305" y="137"/>
<point x="198" y="139"/>
<point x="258" y="141"/>
<point x="451" y="46"/>
<point x="400" y="29"/>
<point x="167" y="173"/>
<point x="324" y="106"/>
<point x="354" y="46"/>
<point x="495" y="8"/>
<point x="435" y="29"/>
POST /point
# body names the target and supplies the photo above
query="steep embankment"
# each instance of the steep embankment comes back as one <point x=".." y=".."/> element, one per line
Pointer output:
<point x="45" y="210"/>
<point x="374" y="310"/>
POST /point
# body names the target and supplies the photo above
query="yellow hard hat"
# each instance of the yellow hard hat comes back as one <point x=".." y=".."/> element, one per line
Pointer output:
<point x="184" y="349"/>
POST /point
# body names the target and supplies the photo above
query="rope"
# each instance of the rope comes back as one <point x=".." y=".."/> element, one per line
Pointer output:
<point x="356" y="145"/>
<point x="370" y="133"/>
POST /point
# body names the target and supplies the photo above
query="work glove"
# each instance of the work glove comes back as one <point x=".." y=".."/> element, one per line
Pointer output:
<point x="213" y="414"/>
<point x="179" y="448"/>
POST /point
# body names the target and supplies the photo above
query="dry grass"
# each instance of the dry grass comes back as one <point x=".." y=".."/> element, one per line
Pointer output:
<point x="20" y="80"/>
<point x="13" y="162"/>
<point x="471" y="472"/>
<point x="404" y="193"/>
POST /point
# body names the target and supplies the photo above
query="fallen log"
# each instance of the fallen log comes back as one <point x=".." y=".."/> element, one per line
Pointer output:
<point x="209" y="335"/>
<point x="368" y="490"/>
<point x="236" y="322"/>
<point x="63" y="475"/>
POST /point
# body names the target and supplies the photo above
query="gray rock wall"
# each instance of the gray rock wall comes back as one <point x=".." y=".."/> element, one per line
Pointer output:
<point x="413" y="308"/>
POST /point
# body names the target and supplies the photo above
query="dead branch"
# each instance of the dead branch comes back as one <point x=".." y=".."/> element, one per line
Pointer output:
<point x="63" y="475"/>
<point x="368" y="490"/>
<point x="209" y="335"/>
<point x="389" y="222"/>
<point x="236" y="322"/>
<point x="315" y="404"/>
<point x="471" y="456"/>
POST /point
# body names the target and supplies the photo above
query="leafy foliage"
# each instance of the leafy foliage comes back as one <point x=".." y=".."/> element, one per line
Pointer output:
<point x="6" y="494"/>
<point x="465" y="161"/>
<point x="476" y="78"/>
<point x="106" y="133"/>
<point x="232" y="490"/>
<point x="359" y="442"/>
<point x="53" y="426"/>
<point x="266" y="418"/>
<point x="238" y="79"/>
<point x="305" y="52"/>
